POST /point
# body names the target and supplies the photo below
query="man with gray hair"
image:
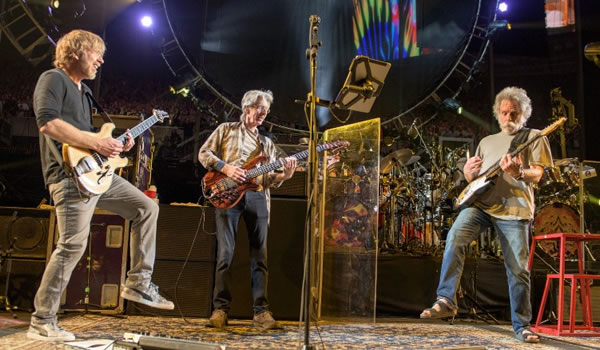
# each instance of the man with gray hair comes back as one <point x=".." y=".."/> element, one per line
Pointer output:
<point x="227" y="150"/>
<point x="508" y="206"/>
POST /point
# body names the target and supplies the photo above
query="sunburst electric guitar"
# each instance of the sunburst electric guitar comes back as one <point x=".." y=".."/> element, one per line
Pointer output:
<point x="224" y="193"/>
<point x="93" y="172"/>
<point x="486" y="180"/>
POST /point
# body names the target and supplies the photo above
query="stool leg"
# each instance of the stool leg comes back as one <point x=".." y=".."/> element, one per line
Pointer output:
<point x="573" y="305"/>
<point x="538" y="321"/>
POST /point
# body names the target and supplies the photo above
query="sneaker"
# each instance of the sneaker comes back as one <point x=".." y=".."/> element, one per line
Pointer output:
<point x="49" y="332"/>
<point x="265" y="320"/>
<point x="218" y="319"/>
<point x="149" y="297"/>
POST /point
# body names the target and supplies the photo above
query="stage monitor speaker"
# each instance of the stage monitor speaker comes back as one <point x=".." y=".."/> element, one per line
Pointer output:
<point x="25" y="230"/>
<point x="285" y="258"/>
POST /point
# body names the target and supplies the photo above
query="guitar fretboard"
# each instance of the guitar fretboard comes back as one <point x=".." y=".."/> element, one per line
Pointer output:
<point x="278" y="164"/>
<point x="140" y="128"/>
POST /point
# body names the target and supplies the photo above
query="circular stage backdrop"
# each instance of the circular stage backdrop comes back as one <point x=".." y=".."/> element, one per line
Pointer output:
<point x="239" y="45"/>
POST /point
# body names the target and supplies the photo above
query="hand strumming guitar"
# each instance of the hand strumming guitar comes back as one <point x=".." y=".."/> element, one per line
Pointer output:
<point x="236" y="173"/>
<point x="472" y="168"/>
<point x="108" y="147"/>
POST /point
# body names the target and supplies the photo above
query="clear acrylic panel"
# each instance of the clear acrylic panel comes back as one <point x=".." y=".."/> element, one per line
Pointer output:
<point x="344" y="272"/>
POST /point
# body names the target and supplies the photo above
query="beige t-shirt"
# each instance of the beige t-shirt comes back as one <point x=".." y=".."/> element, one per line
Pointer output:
<point x="508" y="198"/>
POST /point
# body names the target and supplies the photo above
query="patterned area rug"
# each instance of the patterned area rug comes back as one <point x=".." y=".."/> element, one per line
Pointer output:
<point x="391" y="334"/>
<point x="7" y="322"/>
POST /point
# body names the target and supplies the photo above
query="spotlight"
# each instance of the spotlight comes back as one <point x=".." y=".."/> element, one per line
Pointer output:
<point x="503" y="6"/>
<point x="146" y="21"/>
<point x="55" y="4"/>
<point x="452" y="105"/>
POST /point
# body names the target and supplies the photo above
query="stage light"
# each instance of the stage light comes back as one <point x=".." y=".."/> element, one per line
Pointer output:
<point x="146" y="21"/>
<point x="55" y="4"/>
<point x="503" y="6"/>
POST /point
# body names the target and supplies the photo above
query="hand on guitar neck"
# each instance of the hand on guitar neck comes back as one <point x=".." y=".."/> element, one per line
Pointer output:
<point x="111" y="147"/>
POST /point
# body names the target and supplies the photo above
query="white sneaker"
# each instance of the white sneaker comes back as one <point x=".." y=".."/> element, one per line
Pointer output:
<point x="49" y="332"/>
<point x="149" y="296"/>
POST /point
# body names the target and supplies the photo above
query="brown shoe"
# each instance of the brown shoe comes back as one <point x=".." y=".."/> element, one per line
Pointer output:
<point x="218" y="319"/>
<point x="265" y="320"/>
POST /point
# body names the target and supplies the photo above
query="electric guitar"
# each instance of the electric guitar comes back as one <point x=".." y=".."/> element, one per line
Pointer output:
<point x="223" y="192"/>
<point x="93" y="172"/>
<point x="486" y="180"/>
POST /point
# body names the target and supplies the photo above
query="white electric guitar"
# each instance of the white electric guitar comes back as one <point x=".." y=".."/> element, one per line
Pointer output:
<point x="485" y="181"/>
<point x="93" y="172"/>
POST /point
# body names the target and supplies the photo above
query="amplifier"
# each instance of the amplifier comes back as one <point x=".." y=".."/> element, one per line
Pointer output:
<point x="25" y="230"/>
<point x="292" y="188"/>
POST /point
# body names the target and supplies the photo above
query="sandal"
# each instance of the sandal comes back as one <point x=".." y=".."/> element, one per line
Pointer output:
<point x="527" y="336"/>
<point x="440" y="309"/>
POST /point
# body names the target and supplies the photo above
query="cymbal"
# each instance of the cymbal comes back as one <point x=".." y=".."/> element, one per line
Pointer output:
<point x="412" y="160"/>
<point x="401" y="156"/>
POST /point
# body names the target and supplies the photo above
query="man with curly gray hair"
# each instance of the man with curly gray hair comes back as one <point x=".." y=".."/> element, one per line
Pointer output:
<point x="508" y="206"/>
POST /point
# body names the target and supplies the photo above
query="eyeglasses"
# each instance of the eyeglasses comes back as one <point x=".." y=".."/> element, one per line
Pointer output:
<point x="262" y="109"/>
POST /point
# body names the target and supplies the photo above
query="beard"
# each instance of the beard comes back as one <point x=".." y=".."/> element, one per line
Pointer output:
<point x="510" y="128"/>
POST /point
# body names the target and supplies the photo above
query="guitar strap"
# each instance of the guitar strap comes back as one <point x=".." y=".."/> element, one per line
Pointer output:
<point x="99" y="108"/>
<point x="520" y="138"/>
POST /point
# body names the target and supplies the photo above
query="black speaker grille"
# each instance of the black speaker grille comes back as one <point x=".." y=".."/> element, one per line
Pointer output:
<point x="194" y="291"/>
<point x="26" y="229"/>
<point x="177" y="226"/>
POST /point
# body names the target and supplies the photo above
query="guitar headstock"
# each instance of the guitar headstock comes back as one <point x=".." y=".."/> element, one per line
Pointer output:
<point x="160" y="114"/>
<point x="550" y="128"/>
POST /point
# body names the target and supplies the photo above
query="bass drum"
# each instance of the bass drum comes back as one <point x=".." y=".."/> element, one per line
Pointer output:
<point x="556" y="218"/>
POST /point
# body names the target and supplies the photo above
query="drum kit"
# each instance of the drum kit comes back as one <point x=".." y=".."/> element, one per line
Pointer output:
<point x="415" y="209"/>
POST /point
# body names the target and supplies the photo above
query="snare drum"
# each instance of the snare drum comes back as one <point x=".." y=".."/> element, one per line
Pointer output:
<point x="556" y="218"/>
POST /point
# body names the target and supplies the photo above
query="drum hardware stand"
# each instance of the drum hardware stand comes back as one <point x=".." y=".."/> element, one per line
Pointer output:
<point x="4" y="300"/>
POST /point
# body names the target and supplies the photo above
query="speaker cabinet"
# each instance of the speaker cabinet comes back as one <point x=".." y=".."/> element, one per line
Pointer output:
<point x="285" y="258"/>
<point x="99" y="274"/>
<point x="179" y="228"/>
<point x="23" y="277"/>
<point x="25" y="231"/>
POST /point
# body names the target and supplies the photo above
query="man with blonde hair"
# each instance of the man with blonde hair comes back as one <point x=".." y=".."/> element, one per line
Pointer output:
<point x="227" y="149"/>
<point x="62" y="105"/>
<point x="508" y="207"/>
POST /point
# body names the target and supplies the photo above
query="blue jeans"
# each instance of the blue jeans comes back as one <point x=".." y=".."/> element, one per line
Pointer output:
<point x="514" y="241"/>
<point x="253" y="208"/>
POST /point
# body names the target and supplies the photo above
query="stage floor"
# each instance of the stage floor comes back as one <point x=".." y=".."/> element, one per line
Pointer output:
<point x="388" y="333"/>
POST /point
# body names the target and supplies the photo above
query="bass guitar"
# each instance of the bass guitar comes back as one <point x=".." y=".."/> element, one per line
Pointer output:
<point x="486" y="180"/>
<point x="93" y="172"/>
<point x="224" y="193"/>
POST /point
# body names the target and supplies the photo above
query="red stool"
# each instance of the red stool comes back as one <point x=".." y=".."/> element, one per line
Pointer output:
<point x="587" y="329"/>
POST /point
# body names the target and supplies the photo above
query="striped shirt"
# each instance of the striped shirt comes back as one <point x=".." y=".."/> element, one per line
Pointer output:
<point x="235" y="144"/>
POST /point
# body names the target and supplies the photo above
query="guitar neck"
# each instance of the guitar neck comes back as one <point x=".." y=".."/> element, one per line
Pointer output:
<point x="495" y="169"/>
<point x="139" y="129"/>
<point x="278" y="164"/>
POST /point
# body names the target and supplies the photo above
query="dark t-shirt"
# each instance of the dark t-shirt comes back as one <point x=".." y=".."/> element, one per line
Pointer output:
<point x="57" y="96"/>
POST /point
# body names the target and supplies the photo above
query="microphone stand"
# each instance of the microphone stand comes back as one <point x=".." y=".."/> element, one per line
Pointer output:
<point x="311" y="55"/>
